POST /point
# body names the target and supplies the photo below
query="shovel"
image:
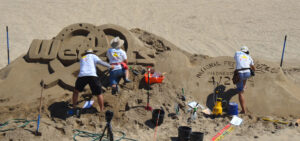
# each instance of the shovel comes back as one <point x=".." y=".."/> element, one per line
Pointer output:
<point x="148" y="107"/>
<point x="37" y="133"/>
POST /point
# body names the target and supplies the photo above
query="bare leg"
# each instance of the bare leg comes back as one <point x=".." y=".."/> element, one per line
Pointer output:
<point x="75" y="98"/>
<point x="126" y="74"/>
<point x="244" y="84"/>
<point x="242" y="102"/>
<point x="100" y="102"/>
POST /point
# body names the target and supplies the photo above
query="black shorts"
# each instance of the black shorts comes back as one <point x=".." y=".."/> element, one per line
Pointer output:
<point x="93" y="81"/>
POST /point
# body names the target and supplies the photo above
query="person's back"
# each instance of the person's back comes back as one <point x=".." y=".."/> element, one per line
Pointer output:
<point x="116" y="56"/>
<point x="88" y="65"/>
<point x="243" y="61"/>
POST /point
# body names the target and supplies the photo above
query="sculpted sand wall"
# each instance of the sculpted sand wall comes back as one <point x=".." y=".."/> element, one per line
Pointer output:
<point x="64" y="51"/>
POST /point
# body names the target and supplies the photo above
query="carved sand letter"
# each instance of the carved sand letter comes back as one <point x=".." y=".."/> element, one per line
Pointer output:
<point x="34" y="50"/>
<point x="61" y="74"/>
<point x="43" y="50"/>
<point x="67" y="55"/>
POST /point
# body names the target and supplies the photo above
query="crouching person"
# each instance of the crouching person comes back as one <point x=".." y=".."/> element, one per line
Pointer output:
<point x="88" y="75"/>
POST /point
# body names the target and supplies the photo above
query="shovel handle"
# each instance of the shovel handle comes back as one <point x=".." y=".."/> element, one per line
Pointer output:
<point x="38" y="123"/>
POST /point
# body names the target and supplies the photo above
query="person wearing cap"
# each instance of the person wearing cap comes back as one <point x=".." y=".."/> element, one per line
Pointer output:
<point x="244" y="66"/>
<point x="118" y="58"/>
<point x="88" y="75"/>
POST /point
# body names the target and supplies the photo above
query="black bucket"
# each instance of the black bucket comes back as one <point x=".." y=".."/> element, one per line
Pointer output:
<point x="155" y="113"/>
<point x="184" y="133"/>
<point x="197" y="136"/>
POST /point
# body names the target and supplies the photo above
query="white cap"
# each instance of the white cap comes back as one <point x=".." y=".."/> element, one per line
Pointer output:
<point x="89" y="50"/>
<point x="244" y="49"/>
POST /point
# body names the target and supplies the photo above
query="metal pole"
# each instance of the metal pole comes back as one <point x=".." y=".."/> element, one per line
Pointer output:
<point x="283" y="50"/>
<point x="7" y="44"/>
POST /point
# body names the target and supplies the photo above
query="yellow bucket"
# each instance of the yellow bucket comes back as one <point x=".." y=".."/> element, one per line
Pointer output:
<point x="218" y="110"/>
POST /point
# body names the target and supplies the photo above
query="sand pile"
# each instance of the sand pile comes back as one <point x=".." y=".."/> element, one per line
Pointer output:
<point x="272" y="92"/>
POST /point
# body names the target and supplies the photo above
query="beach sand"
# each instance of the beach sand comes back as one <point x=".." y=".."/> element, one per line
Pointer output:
<point x="191" y="41"/>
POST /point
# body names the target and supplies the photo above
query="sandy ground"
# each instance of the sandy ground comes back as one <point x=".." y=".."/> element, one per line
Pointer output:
<point x="271" y="93"/>
<point x="215" y="27"/>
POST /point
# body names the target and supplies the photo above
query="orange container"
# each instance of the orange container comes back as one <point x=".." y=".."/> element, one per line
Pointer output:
<point x="153" y="79"/>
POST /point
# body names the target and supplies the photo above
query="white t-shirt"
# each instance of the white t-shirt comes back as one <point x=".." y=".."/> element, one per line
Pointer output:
<point x="243" y="60"/>
<point x="116" y="56"/>
<point x="88" y="65"/>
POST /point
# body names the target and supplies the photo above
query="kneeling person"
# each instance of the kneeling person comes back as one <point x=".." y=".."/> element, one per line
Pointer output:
<point x="118" y="58"/>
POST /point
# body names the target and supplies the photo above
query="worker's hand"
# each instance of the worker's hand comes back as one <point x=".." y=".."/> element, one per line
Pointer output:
<point x="112" y="67"/>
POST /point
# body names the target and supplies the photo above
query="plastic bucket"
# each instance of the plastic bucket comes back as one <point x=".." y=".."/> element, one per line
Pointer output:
<point x="153" y="79"/>
<point x="233" y="108"/>
<point x="197" y="136"/>
<point x="155" y="113"/>
<point x="184" y="133"/>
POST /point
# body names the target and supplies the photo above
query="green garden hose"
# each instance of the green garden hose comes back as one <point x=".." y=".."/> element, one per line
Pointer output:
<point x="96" y="137"/>
<point x="24" y="121"/>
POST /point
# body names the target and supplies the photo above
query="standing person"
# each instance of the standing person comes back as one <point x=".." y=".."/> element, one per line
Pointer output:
<point x="88" y="75"/>
<point x="118" y="58"/>
<point x="244" y="63"/>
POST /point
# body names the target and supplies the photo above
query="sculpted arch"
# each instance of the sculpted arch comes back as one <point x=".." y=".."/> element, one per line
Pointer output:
<point x="65" y="50"/>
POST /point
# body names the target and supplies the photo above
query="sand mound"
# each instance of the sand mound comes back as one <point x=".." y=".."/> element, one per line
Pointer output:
<point x="272" y="92"/>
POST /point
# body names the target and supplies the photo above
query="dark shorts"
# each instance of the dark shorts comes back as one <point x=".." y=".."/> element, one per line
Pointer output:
<point x="116" y="75"/>
<point x="93" y="81"/>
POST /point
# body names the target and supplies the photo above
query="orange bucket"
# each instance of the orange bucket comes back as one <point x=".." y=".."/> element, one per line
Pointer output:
<point x="154" y="79"/>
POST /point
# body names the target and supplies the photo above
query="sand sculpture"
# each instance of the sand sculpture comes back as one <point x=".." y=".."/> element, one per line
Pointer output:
<point x="65" y="50"/>
<point x="272" y="92"/>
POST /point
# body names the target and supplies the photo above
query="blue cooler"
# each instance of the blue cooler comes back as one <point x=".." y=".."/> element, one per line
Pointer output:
<point x="233" y="108"/>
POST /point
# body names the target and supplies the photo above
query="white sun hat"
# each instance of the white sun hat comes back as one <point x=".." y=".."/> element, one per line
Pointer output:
<point x="244" y="49"/>
<point x="116" y="42"/>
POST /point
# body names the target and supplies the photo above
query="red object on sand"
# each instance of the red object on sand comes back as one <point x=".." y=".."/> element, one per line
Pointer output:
<point x="148" y="107"/>
<point x="124" y="65"/>
<point x="221" y="132"/>
<point x="154" y="79"/>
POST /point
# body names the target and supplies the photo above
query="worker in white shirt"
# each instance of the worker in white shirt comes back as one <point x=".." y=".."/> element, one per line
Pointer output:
<point x="118" y="58"/>
<point x="245" y="68"/>
<point x="88" y="75"/>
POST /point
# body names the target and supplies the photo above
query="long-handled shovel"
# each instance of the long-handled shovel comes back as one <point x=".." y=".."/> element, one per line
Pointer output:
<point x="37" y="133"/>
<point x="148" y="108"/>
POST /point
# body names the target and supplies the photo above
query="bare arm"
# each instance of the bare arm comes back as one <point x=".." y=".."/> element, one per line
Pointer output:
<point x="99" y="61"/>
<point x="252" y="67"/>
